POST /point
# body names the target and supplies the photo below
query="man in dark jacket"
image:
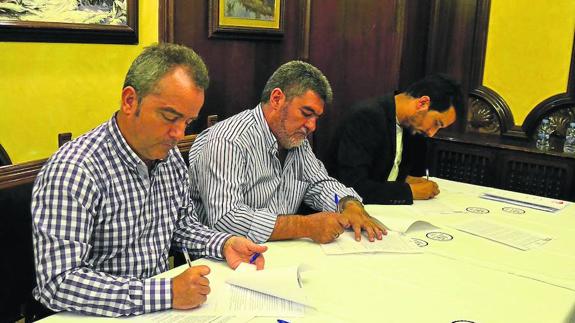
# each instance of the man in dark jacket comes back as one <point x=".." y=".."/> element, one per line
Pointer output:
<point x="379" y="149"/>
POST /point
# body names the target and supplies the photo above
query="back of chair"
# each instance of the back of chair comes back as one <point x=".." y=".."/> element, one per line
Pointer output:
<point x="17" y="271"/>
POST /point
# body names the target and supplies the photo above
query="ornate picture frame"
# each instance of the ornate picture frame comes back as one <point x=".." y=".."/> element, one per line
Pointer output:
<point x="246" y="19"/>
<point x="81" y="21"/>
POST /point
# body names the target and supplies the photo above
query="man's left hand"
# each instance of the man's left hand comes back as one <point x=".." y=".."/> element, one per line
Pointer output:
<point x="360" y="220"/>
<point x="239" y="249"/>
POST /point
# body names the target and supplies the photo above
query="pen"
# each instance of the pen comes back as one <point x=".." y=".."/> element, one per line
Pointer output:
<point x="187" y="256"/>
<point x="336" y="200"/>
<point x="254" y="257"/>
<point x="427" y="173"/>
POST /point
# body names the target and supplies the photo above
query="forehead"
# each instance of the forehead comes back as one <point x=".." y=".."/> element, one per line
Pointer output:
<point x="309" y="100"/>
<point x="178" y="91"/>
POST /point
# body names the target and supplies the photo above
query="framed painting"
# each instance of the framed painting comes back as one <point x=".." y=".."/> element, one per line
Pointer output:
<point x="247" y="19"/>
<point x="69" y="21"/>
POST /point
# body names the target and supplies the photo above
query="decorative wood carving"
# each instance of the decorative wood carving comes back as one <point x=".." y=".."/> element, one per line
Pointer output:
<point x="488" y="112"/>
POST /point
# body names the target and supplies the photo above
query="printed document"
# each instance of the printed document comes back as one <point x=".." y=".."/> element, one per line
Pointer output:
<point x="394" y="242"/>
<point x="507" y="235"/>
<point x="526" y="200"/>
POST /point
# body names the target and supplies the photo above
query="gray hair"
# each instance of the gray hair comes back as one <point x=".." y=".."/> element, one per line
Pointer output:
<point x="159" y="59"/>
<point x="295" y="78"/>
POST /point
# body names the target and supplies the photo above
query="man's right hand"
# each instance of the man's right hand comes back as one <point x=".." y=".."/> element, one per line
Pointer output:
<point x="424" y="190"/>
<point x="324" y="227"/>
<point x="190" y="288"/>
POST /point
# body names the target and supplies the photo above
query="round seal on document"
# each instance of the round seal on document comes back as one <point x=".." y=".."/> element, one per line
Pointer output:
<point x="419" y="242"/>
<point x="477" y="210"/>
<point x="513" y="210"/>
<point x="439" y="236"/>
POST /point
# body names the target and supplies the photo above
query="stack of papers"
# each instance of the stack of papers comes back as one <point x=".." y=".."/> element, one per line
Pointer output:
<point x="526" y="200"/>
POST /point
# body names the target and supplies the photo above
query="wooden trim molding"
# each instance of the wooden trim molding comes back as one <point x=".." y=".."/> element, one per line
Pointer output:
<point x="14" y="175"/>
<point x="480" y="43"/>
<point x="488" y="112"/>
<point x="305" y="6"/>
<point x="166" y="21"/>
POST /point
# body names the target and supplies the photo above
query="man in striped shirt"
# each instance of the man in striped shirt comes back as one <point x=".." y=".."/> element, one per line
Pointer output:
<point x="250" y="173"/>
<point x="108" y="206"/>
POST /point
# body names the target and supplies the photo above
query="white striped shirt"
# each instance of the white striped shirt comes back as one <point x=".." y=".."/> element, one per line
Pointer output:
<point x="103" y="225"/>
<point x="239" y="185"/>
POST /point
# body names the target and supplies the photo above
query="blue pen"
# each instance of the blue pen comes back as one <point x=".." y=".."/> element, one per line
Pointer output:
<point x="254" y="257"/>
<point x="282" y="321"/>
<point x="336" y="200"/>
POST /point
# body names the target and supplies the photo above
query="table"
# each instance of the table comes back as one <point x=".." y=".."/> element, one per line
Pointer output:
<point x="466" y="279"/>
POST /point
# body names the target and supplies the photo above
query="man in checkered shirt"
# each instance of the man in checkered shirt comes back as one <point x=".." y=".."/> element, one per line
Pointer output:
<point x="108" y="206"/>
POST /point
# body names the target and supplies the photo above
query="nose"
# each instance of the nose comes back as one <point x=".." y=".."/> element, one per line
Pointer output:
<point x="310" y="124"/>
<point x="178" y="131"/>
<point x="432" y="131"/>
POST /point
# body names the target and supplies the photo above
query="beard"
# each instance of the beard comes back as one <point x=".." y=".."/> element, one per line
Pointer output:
<point x="411" y="123"/>
<point x="287" y="140"/>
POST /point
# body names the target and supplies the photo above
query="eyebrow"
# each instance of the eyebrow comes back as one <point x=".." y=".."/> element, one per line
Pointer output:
<point x="172" y="111"/>
<point x="310" y="110"/>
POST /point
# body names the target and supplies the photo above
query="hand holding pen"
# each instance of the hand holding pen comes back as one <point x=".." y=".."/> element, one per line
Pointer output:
<point x="190" y="288"/>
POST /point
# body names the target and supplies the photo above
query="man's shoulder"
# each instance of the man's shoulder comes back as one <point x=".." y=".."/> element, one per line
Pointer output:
<point x="234" y="129"/>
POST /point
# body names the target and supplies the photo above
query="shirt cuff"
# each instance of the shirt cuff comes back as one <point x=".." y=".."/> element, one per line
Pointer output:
<point x="215" y="245"/>
<point x="157" y="294"/>
<point x="262" y="227"/>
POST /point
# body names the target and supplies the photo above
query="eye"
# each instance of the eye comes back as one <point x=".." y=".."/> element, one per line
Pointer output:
<point x="306" y="114"/>
<point x="169" y="118"/>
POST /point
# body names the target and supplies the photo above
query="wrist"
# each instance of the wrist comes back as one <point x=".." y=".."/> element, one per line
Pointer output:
<point x="348" y="201"/>
<point x="226" y="245"/>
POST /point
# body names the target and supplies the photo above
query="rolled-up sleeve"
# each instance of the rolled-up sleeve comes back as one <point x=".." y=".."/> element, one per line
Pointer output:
<point x="322" y="189"/>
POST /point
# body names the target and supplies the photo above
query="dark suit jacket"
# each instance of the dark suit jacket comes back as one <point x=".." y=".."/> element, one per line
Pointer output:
<point x="362" y="152"/>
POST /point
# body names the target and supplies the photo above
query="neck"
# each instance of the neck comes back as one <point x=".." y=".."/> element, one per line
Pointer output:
<point x="401" y="107"/>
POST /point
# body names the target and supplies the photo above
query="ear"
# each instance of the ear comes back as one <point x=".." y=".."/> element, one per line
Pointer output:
<point x="277" y="98"/>
<point x="129" y="100"/>
<point x="422" y="103"/>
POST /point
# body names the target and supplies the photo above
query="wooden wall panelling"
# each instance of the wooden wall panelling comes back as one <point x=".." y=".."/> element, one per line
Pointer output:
<point x="456" y="46"/>
<point x="359" y="47"/>
<point x="537" y="174"/>
<point x="457" y="162"/>
<point x="238" y="68"/>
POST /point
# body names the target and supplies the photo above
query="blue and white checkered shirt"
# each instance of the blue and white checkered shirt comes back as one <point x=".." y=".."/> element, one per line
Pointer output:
<point x="103" y="226"/>
<point x="239" y="185"/>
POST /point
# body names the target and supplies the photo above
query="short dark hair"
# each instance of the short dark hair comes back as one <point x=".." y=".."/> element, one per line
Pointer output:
<point x="443" y="92"/>
<point x="159" y="59"/>
<point x="295" y="78"/>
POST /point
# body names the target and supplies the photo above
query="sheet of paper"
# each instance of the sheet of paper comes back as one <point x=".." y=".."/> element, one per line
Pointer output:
<point x="402" y="218"/>
<point x="225" y="299"/>
<point x="283" y="283"/>
<point x="516" y="238"/>
<point x="393" y="242"/>
<point x="526" y="200"/>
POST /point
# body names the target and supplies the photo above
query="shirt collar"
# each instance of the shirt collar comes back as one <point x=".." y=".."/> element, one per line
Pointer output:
<point x="121" y="146"/>
<point x="261" y="122"/>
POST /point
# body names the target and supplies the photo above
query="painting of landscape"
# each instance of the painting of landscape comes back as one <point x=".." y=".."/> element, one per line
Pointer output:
<point x="100" y="12"/>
